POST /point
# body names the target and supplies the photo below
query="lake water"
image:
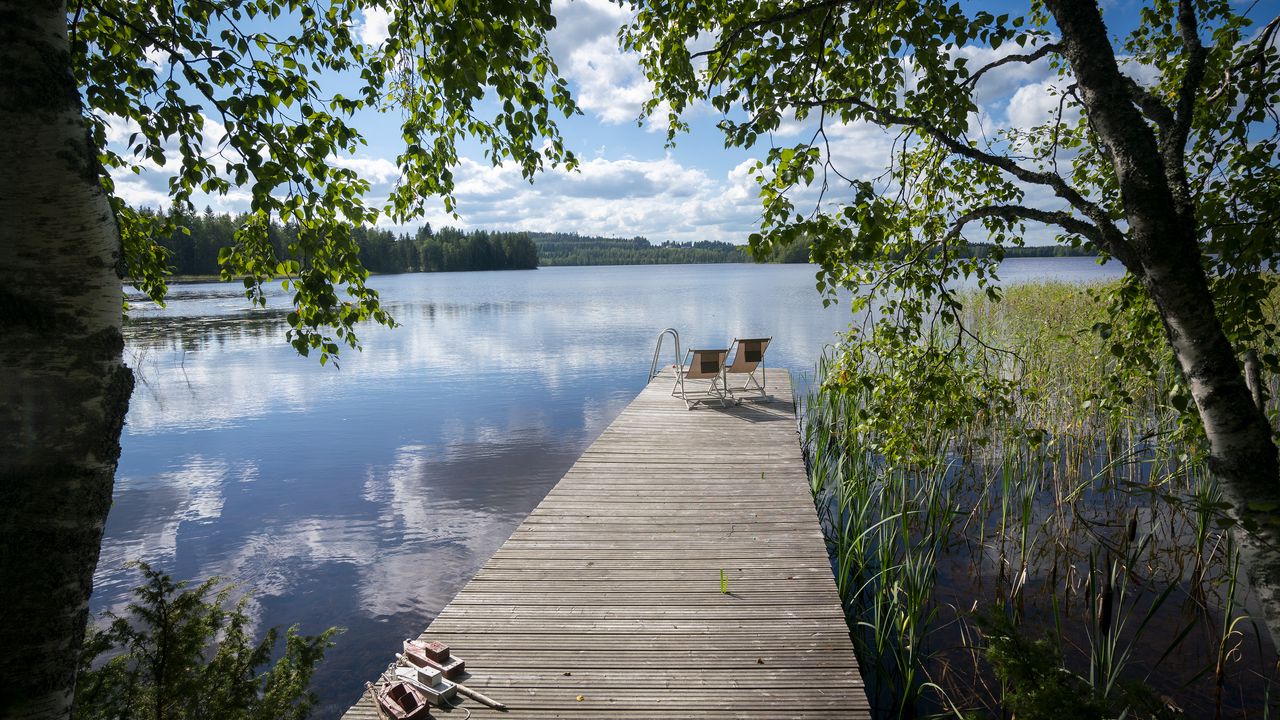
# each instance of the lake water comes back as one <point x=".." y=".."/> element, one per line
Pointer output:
<point x="367" y="496"/>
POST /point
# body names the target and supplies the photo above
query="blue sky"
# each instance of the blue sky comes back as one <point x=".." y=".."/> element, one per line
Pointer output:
<point x="629" y="183"/>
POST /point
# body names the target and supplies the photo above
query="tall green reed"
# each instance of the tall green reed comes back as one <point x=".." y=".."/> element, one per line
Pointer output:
<point x="1078" y="509"/>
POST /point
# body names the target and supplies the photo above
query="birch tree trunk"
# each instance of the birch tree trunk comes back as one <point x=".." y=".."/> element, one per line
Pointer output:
<point x="64" y="388"/>
<point x="1163" y="251"/>
<point x="1242" y="451"/>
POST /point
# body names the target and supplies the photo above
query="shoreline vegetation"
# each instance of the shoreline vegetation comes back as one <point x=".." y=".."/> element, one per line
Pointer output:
<point x="193" y="252"/>
<point x="558" y="249"/>
<point x="1061" y="557"/>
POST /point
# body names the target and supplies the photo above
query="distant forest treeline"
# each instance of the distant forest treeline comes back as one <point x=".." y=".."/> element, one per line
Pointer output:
<point x="1027" y="251"/>
<point x="575" y="249"/>
<point x="445" y="250"/>
<point x="381" y="251"/>
<point x="799" y="252"/>
<point x="450" y="249"/>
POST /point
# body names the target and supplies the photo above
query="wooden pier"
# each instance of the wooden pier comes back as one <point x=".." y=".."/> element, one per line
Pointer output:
<point x="606" y="602"/>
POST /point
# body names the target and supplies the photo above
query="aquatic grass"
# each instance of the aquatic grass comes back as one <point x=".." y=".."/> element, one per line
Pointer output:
<point x="1079" y="509"/>
<point x="884" y="564"/>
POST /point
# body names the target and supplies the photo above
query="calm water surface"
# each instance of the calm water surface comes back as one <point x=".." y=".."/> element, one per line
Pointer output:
<point x="367" y="496"/>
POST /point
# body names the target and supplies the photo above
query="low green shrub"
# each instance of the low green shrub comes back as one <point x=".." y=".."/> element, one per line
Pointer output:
<point x="182" y="652"/>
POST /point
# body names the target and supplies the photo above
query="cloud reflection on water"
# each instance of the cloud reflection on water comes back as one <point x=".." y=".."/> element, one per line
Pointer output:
<point x="367" y="496"/>
<point x="148" y="513"/>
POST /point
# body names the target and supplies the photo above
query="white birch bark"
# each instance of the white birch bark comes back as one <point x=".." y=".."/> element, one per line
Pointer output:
<point x="1163" y="250"/>
<point x="63" y="386"/>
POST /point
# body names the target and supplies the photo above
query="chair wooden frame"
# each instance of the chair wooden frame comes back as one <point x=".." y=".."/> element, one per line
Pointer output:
<point x="703" y="365"/>
<point x="748" y="359"/>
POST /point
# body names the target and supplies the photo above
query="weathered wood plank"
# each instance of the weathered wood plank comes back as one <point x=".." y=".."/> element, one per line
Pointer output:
<point x="607" y="602"/>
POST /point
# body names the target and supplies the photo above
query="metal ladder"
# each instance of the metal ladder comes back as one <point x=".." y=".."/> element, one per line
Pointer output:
<point x="653" y="367"/>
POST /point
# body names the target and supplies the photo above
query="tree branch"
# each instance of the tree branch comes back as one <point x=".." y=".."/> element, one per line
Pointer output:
<point x="1257" y="57"/>
<point x="883" y="117"/>
<point x="1173" y="143"/>
<point x="1027" y="58"/>
<point x="1150" y="104"/>
<point x="1013" y="213"/>
<point x="1129" y="139"/>
<point x="1197" y="56"/>
<point x="795" y="12"/>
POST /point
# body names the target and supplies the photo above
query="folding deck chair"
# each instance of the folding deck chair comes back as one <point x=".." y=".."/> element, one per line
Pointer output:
<point x="704" y="366"/>
<point x="747" y="361"/>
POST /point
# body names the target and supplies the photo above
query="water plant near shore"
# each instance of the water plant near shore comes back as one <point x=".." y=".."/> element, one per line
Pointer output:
<point x="184" y="651"/>
<point x="1071" y="518"/>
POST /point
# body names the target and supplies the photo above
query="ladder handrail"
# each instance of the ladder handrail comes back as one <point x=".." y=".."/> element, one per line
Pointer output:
<point x="657" y="349"/>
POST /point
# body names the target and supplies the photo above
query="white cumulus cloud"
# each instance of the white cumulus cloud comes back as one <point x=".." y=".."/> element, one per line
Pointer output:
<point x="139" y="194"/>
<point x="375" y="170"/>
<point x="607" y="82"/>
<point x="1037" y="104"/>
<point x="661" y="199"/>
<point x="376" y="26"/>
